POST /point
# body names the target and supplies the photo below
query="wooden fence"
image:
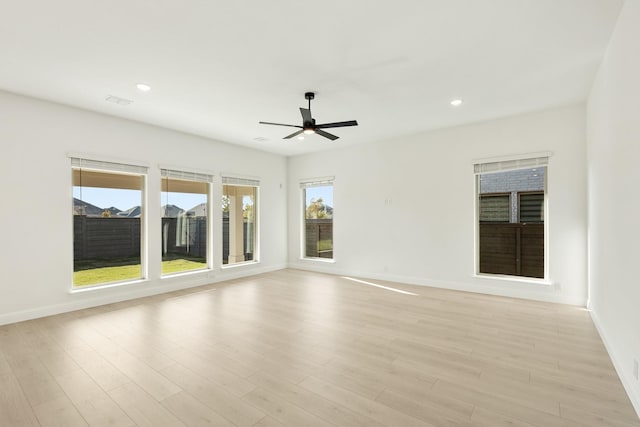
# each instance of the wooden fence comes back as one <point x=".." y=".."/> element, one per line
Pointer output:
<point x="317" y="230"/>
<point x="514" y="249"/>
<point x="195" y="236"/>
<point x="105" y="238"/>
<point x="108" y="238"/>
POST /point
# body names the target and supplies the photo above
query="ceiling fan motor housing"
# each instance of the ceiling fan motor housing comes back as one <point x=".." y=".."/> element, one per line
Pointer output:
<point x="309" y="125"/>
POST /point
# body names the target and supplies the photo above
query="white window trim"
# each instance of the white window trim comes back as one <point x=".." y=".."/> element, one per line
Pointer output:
<point x="505" y="161"/>
<point x="304" y="184"/>
<point x="108" y="164"/>
<point x="197" y="175"/>
<point x="244" y="181"/>
<point x="96" y="158"/>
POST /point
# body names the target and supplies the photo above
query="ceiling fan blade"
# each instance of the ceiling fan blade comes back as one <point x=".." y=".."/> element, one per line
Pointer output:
<point x="306" y="115"/>
<point x="337" y="124"/>
<point x="294" y="134"/>
<point x="280" y="124"/>
<point x="326" y="134"/>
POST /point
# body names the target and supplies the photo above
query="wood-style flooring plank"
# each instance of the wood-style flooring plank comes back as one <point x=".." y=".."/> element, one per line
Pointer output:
<point x="295" y="348"/>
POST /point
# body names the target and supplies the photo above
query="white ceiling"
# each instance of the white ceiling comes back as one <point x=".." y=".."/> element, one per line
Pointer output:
<point x="218" y="67"/>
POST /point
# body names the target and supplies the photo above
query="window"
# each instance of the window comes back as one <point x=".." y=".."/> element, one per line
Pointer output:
<point x="531" y="207"/>
<point x="317" y="197"/>
<point x="511" y="226"/>
<point x="185" y="221"/>
<point x="239" y="220"/>
<point x="494" y="207"/>
<point x="108" y="215"/>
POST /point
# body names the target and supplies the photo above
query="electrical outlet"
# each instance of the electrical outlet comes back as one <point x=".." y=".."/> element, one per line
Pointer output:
<point x="557" y="286"/>
<point x="635" y="368"/>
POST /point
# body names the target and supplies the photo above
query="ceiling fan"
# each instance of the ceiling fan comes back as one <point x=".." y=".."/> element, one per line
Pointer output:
<point x="309" y="125"/>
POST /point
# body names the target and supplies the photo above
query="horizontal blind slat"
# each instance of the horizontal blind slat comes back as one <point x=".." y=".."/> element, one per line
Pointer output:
<point x="108" y="166"/>
<point x="317" y="183"/>
<point x="506" y="165"/>
<point x="240" y="181"/>
<point x="190" y="176"/>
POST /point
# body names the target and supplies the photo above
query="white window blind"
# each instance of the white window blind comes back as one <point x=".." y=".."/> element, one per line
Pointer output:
<point x="77" y="162"/>
<point x="506" y="165"/>
<point x="228" y="180"/>
<point x="184" y="175"/>
<point x="319" y="182"/>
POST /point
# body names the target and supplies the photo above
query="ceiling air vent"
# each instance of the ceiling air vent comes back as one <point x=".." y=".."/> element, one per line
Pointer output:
<point x="118" y="100"/>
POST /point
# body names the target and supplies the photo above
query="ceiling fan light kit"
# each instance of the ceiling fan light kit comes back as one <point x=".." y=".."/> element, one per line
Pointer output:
<point x="309" y="125"/>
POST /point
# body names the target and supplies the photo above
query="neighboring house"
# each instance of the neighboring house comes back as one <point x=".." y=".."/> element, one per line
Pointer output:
<point x="81" y="207"/>
<point x="171" y="211"/>
<point x="113" y="211"/>
<point x="198" y="210"/>
<point x="133" y="212"/>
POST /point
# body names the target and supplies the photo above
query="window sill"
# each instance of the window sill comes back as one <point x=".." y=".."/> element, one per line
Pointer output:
<point x="519" y="279"/>
<point x="325" y="260"/>
<point x="89" y="288"/>
<point x="186" y="273"/>
<point x="239" y="264"/>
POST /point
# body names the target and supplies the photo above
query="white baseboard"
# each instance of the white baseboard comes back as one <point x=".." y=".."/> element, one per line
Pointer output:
<point x="501" y="288"/>
<point x="99" y="297"/>
<point x="627" y="380"/>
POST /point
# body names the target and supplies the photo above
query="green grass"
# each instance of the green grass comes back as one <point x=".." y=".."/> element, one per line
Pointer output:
<point x="325" y="245"/>
<point x="178" y="265"/>
<point x="94" y="276"/>
<point x="106" y="274"/>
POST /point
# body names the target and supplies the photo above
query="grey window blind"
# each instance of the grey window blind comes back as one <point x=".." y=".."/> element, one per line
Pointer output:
<point x="184" y="175"/>
<point x="82" y="163"/>
<point x="320" y="182"/>
<point x="229" y="180"/>
<point x="506" y="165"/>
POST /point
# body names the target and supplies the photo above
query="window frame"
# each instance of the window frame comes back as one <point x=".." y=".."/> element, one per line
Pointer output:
<point x="310" y="183"/>
<point x="505" y="164"/>
<point x="544" y="201"/>
<point x="239" y="181"/>
<point x="201" y="177"/>
<point x="498" y="194"/>
<point x="116" y="167"/>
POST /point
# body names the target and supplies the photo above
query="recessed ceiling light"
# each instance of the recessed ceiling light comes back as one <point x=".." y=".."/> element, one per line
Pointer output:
<point x="143" y="87"/>
<point x="301" y="137"/>
<point x="456" y="102"/>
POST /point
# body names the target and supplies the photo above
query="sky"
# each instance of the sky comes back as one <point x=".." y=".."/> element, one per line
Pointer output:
<point x="125" y="199"/>
<point x="325" y="192"/>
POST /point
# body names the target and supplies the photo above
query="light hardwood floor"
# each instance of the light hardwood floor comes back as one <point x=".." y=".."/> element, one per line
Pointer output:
<point x="305" y="349"/>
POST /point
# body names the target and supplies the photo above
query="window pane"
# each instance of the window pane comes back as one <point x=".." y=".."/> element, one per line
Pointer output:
<point x="106" y="225"/>
<point x="239" y="207"/>
<point x="511" y="238"/>
<point x="494" y="208"/>
<point x="531" y="207"/>
<point x="318" y="222"/>
<point x="184" y="225"/>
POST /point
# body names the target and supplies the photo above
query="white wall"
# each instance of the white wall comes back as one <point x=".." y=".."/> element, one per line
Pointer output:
<point x="613" y="123"/>
<point x="404" y="209"/>
<point x="35" y="214"/>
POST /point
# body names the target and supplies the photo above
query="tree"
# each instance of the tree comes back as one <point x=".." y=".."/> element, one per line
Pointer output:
<point x="248" y="212"/>
<point x="316" y="209"/>
<point x="225" y="203"/>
